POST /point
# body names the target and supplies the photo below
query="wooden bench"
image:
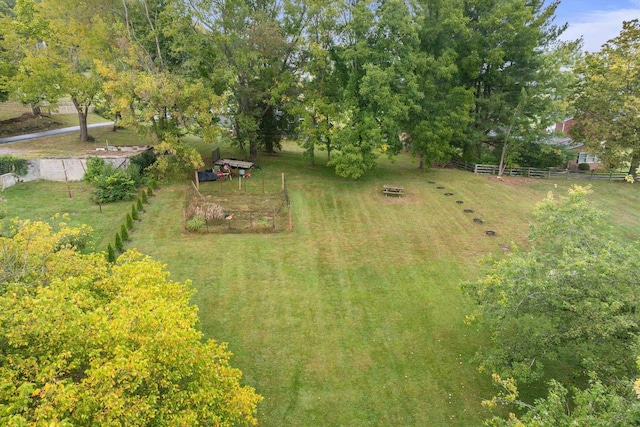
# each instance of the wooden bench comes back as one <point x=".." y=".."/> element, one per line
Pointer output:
<point x="393" y="190"/>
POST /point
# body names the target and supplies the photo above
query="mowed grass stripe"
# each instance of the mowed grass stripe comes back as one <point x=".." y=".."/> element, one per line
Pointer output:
<point x="355" y="318"/>
<point x="344" y="313"/>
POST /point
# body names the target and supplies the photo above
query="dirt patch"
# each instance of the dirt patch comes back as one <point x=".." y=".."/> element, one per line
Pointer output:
<point x="459" y="202"/>
<point x="512" y="181"/>
<point x="27" y="123"/>
<point x="468" y="211"/>
<point x="478" y="221"/>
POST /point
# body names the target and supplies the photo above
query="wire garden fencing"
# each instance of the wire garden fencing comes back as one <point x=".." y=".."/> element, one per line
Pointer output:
<point x="237" y="212"/>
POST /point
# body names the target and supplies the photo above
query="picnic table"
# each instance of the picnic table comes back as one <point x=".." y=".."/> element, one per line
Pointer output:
<point x="393" y="190"/>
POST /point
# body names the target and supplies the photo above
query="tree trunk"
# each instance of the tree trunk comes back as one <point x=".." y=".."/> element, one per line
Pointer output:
<point x="421" y="162"/>
<point x="35" y="110"/>
<point x="253" y="150"/>
<point x="635" y="162"/>
<point x="82" y="119"/>
<point x="115" y="122"/>
<point x="501" y="166"/>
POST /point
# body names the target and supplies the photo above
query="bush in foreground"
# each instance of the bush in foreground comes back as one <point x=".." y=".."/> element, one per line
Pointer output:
<point x="87" y="342"/>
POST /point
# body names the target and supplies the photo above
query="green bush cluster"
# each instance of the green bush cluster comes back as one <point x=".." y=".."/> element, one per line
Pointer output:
<point x="111" y="184"/>
<point x="10" y="164"/>
<point x="197" y="223"/>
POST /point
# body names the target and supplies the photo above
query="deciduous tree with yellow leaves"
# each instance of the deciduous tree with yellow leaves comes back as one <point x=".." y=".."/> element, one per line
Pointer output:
<point x="85" y="342"/>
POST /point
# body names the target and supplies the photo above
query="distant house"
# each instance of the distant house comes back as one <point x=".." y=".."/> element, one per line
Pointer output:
<point x="582" y="156"/>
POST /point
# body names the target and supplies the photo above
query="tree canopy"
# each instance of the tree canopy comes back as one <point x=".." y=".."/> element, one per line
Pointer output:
<point x="358" y="79"/>
<point x="607" y="103"/>
<point x="570" y="298"/>
<point x="86" y="342"/>
<point x="569" y="301"/>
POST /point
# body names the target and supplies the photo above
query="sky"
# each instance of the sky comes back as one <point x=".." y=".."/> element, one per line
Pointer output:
<point x="596" y="21"/>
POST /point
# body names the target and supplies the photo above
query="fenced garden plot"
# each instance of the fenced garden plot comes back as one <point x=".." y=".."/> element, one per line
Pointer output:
<point x="236" y="212"/>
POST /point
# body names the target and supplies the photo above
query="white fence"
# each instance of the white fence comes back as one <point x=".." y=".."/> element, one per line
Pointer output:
<point x="539" y="173"/>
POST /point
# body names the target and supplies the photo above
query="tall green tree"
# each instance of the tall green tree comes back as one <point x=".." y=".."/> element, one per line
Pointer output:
<point x="27" y="75"/>
<point x="446" y="103"/>
<point x="504" y="60"/>
<point x="250" y="49"/>
<point x="319" y="104"/>
<point x="148" y="76"/>
<point x="606" y="101"/>
<point x="55" y="43"/>
<point x="377" y="62"/>
<point x="87" y="342"/>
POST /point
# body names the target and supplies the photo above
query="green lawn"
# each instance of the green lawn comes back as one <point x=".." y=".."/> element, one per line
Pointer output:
<point x="355" y="317"/>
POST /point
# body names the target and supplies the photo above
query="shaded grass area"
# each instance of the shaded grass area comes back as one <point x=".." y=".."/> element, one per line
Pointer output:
<point x="355" y="317"/>
<point x="18" y="122"/>
<point x="69" y="145"/>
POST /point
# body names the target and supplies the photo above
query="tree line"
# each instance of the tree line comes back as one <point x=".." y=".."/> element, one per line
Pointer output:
<point x="355" y="79"/>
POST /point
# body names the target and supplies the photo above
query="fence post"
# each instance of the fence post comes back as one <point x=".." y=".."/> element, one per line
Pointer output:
<point x="610" y="173"/>
<point x="475" y="168"/>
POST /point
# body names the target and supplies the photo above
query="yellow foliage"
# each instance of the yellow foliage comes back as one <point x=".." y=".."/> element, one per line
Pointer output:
<point x="117" y="344"/>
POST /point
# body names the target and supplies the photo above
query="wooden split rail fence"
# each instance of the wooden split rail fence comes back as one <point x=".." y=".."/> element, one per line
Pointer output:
<point x="549" y="173"/>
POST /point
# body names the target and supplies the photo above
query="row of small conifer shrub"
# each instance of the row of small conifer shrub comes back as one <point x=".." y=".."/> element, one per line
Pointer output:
<point x="126" y="227"/>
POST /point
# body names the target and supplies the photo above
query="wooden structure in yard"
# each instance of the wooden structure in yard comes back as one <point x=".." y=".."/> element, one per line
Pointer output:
<point x="393" y="190"/>
<point x="236" y="164"/>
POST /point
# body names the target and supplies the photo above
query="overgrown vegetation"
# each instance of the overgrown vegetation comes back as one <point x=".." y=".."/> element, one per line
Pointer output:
<point x="10" y="164"/>
<point x="114" y="185"/>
